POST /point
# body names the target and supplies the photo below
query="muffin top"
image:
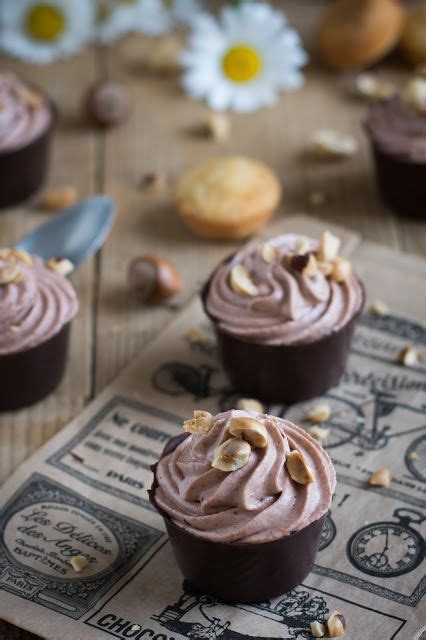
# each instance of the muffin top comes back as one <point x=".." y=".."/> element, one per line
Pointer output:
<point x="24" y="113"/>
<point x="242" y="476"/>
<point x="36" y="301"/>
<point x="290" y="290"/>
<point x="227" y="189"/>
<point x="399" y="129"/>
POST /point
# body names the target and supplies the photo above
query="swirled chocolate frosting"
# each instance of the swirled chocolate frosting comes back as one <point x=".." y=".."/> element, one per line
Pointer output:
<point x="398" y="129"/>
<point x="34" y="306"/>
<point x="257" y="503"/>
<point x="24" y="114"/>
<point x="290" y="307"/>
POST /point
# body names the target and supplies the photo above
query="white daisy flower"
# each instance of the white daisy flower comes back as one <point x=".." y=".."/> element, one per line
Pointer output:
<point x="42" y="30"/>
<point x="115" y="18"/>
<point x="242" y="60"/>
<point x="159" y="16"/>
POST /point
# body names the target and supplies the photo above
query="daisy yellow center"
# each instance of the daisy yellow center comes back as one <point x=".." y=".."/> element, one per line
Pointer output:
<point x="45" y="22"/>
<point x="242" y="63"/>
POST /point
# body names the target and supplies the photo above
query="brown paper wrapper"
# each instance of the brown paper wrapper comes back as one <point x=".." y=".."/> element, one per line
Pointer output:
<point x="85" y="491"/>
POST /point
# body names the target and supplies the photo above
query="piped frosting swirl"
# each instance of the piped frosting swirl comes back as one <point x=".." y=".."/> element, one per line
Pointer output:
<point x="289" y="307"/>
<point x="34" y="305"/>
<point x="398" y="129"/>
<point x="24" y="114"/>
<point x="257" y="503"/>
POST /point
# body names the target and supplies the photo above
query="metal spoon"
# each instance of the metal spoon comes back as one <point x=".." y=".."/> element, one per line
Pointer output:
<point x="75" y="233"/>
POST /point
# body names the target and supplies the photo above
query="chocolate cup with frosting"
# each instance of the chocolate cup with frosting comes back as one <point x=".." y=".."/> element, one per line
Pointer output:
<point x="248" y="571"/>
<point x="31" y="375"/>
<point x="36" y="311"/>
<point x="27" y="122"/>
<point x="284" y="372"/>
<point x="398" y="141"/>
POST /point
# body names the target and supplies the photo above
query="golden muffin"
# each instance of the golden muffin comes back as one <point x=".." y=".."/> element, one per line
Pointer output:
<point x="355" y="33"/>
<point x="413" y="39"/>
<point x="227" y="198"/>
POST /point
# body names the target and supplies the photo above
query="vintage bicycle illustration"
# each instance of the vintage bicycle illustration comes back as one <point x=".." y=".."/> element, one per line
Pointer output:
<point x="364" y="424"/>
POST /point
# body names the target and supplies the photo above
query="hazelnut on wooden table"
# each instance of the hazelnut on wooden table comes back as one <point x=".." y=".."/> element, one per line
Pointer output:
<point x="59" y="198"/>
<point x="107" y="104"/>
<point x="154" y="279"/>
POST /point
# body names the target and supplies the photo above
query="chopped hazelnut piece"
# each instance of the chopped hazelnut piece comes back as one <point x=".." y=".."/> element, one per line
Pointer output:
<point x="241" y="281"/>
<point x="9" y="272"/>
<point x="302" y="245"/>
<point x="413" y="455"/>
<point x="63" y="266"/>
<point x="380" y="478"/>
<point x="319" y="433"/>
<point x="372" y="88"/>
<point x="380" y="308"/>
<point x="329" y="247"/>
<point x="336" y="625"/>
<point x="233" y="454"/>
<point x="269" y="253"/>
<point x="135" y="627"/>
<point x="79" y="563"/>
<point x="325" y="267"/>
<point x="342" y="270"/>
<point x="163" y="57"/>
<point x="250" y="404"/>
<point x="218" y="126"/>
<point x="305" y="264"/>
<point x="200" y="423"/>
<point x="319" y="413"/>
<point x="153" y="182"/>
<point x="298" y="469"/>
<point x="414" y="94"/>
<point x="59" y="198"/>
<point x="333" y="144"/>
<point x="408" y="356"/>
<point x="24" y="257"/>
<point x="251" y="430"/>
<point x="32" y="98"/>
<point x="317" y="629"/>
<point x="196" y="336"/>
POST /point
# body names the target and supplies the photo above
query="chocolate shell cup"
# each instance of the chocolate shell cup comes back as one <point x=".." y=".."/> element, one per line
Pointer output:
<point x="241" y="572"/>
<point x="23" y="170"/>
<point x="402" y="184"/>
<point x="29" y="376"/>
<point x="283" y="373"/>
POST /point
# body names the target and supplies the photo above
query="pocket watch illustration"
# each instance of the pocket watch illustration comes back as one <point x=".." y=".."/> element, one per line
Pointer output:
<point x="388" y="549"/>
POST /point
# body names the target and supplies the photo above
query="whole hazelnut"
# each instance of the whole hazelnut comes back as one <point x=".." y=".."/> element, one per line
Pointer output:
<point x="107" y="103"/>
<point x="154" y="279"/>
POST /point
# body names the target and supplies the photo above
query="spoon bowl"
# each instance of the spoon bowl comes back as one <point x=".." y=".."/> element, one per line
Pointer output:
<point x="75" y="233"/>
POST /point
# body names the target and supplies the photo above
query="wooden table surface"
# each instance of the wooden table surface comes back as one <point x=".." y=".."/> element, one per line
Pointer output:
<point x="161" y="135"/>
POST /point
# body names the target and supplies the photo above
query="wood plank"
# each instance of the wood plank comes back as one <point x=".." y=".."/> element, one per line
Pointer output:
<point x="73" y="162"/>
